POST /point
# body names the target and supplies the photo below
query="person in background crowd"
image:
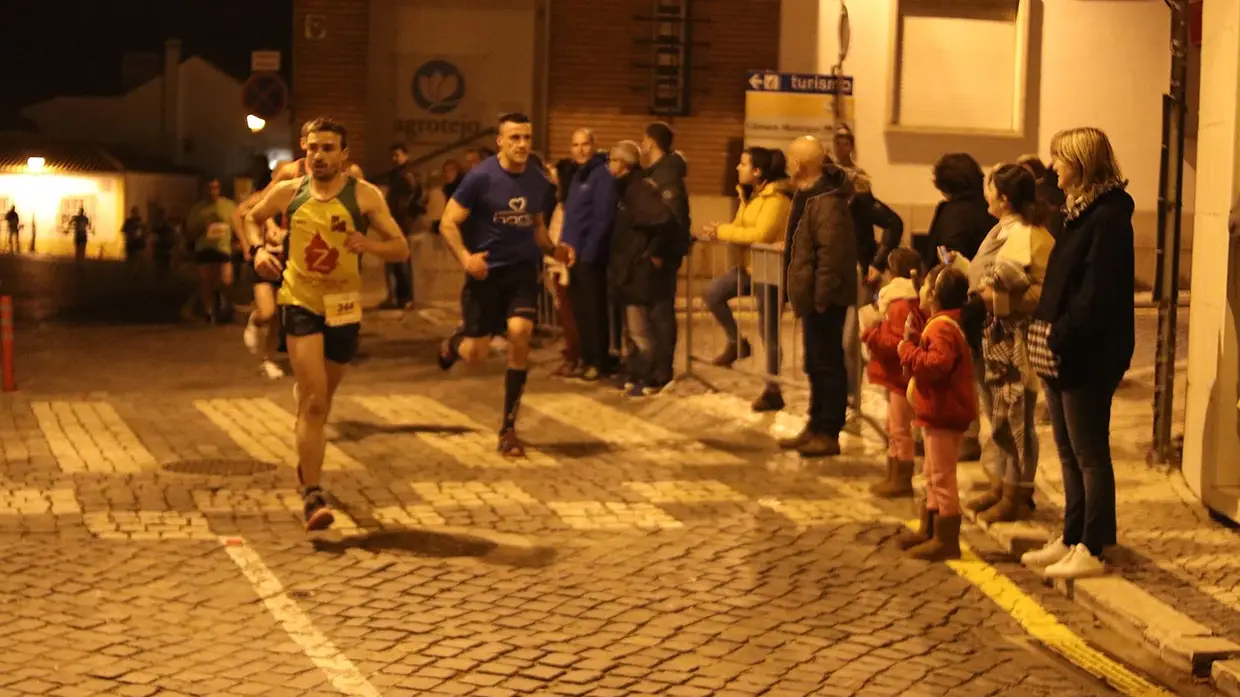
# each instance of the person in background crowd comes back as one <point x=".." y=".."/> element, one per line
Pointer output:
<point x="1081" y="343"/>
<point x="760" y="219"/>
<point x="867" y="213"/>
<point x="1006" y="277"/>
<point x="1048" y="191"/>
<point x="589" y="211"/>
<point x="1052" y="199"/>
<point x="821" y="258"/>
<point x="452" y="173"/>
<point x="942" y="392"/>
<point x="641" y="225"/>
<point x="80" y="227"/>
<point x="135" y="241"/>
<point x="163" y="242"/>
<point x="961" y="221"/>
<point x="667" y="169"/>
<point x="211" y="234"/>
<point x="14" y="225"/>
<point x="899" y="306"/>
<point x="558" y="277"/>
<point x="472" y="158"/>
<point x="404" y="197"/>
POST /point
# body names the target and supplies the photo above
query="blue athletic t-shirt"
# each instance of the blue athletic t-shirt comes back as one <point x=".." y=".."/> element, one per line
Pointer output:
<point x="504" y="208"/>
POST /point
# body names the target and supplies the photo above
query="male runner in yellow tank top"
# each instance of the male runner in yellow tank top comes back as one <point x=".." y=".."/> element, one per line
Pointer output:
<point x="327" y="215"/>
<point x="256" y="331"/>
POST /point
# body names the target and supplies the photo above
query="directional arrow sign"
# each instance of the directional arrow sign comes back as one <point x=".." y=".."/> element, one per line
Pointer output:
<point x="755" y="82"/>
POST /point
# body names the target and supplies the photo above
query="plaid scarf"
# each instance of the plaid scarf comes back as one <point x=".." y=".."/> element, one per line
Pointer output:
<point x="1076" y="206"/>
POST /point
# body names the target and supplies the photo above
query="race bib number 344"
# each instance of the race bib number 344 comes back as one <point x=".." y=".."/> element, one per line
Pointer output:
<point x="343" y="308"/>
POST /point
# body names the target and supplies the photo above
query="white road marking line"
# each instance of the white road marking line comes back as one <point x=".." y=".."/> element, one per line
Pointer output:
<point x="340" y="671"/>
<point x="636" y="436"/>
<point x="265" y="431"/>
<point x="475" y="447"/>
<point x="91" y="437"/>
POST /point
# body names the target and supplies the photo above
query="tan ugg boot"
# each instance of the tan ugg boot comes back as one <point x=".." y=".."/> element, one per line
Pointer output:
<point x="911" y="538"/>
<point x="1013" y="507"/>
<point x="899" y="482"/>
<point x="946" y="541"/>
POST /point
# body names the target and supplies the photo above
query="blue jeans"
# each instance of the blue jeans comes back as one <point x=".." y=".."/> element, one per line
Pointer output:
<point x="734" y="284"/>
<point x="640" y="330"/>
<point x="1081" y="422"/>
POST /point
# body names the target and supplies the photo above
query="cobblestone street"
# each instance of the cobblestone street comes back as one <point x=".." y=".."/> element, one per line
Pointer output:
<point x="150" y="520"/>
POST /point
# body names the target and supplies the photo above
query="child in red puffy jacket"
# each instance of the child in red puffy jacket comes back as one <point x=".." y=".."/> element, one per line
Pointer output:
<point x="944" y="401"/>
<point x="898" y="308"/>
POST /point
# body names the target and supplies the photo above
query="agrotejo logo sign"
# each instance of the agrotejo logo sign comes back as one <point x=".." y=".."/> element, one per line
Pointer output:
<point x="438" y="89"/>
<point x="438" y="86"/>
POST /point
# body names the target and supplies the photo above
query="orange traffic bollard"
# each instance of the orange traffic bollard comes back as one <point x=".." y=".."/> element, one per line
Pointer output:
<point x="6" y="342"/>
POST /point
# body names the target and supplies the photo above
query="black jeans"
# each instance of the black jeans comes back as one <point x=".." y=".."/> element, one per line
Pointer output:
<point x="1081" y="423"/>
<point x="827" y="370"/>
<point x="400" y="281"/>
<point x="587" y="291"/>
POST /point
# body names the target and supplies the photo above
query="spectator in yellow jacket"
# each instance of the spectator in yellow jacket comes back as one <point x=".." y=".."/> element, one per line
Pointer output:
<point x="761" y="219"/>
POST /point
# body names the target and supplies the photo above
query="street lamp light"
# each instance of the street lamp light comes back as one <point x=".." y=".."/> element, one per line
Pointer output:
<point x="35" y="164"/>
<point x="255" y="123"/>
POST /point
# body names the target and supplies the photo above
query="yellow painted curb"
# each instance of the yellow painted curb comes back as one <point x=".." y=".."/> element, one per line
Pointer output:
<point x="1046" y="628"/>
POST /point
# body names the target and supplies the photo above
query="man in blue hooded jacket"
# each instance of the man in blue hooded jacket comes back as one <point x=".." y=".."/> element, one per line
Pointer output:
<point x="588" y="212"/>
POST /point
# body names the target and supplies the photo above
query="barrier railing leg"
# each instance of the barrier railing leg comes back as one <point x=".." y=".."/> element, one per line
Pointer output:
<point x="6" y="343"/>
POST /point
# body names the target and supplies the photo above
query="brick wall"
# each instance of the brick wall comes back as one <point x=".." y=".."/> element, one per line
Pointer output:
<point x="592" y="78"/>
<point x="329" y="74"/>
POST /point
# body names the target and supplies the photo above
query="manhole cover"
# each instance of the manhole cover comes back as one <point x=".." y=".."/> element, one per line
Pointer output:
<point x="220" y="467"/>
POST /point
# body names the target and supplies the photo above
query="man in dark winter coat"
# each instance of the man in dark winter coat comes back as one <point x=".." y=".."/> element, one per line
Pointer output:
<point x="641" y="232"/>
<point x="667" y="169"/>
<point x="821" y="252"/>
<point x="588" y="211"/>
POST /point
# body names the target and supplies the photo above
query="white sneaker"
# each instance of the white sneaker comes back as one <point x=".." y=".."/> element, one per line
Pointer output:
<point x="271" y="370"/>
<point x="1079" y="564"/>
<point x="1054" y="552"/>
<point x="254" y="336"/>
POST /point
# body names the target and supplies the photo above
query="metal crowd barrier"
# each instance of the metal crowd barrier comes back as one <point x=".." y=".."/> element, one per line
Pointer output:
<point x="756" y="294"/>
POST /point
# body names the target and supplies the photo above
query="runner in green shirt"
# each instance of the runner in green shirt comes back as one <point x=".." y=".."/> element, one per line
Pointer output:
<point x="210" y="229"/>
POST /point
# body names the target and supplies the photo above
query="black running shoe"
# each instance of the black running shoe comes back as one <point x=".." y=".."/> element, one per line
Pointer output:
<point x="447" y="355"/>
<point x="319" y="515"/>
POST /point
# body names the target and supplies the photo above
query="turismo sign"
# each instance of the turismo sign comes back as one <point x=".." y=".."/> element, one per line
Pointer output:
<point x="783" y="106"/>
<point x="434" y="110"/>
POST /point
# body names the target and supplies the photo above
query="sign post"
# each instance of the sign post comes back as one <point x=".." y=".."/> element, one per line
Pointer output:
<point x="782" y="106"/>
<point x="6" y="343"/>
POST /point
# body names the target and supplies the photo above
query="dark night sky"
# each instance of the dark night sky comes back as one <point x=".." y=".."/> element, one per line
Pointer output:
<point x="74" y="47"/>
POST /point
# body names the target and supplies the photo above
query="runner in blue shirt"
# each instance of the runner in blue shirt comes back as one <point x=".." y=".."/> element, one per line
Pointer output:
<point x="496" y="224"/>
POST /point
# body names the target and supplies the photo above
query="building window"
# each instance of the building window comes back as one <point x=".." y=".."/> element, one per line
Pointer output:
<point x="959" y="66"/>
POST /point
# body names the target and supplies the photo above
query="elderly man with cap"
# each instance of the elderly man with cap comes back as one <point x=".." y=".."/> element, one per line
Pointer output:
<point x="642" y="223"/>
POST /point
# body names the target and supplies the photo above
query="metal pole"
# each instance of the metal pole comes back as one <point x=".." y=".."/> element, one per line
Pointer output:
<point x="6" y="342"/>
<point x="689" y="296"/>
<point x="1167" y="283"/>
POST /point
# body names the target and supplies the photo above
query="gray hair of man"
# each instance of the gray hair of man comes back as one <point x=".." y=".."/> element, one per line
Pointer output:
<point x="628" y="152"/>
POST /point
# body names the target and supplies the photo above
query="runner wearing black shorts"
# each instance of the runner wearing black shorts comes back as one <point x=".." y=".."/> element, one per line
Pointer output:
<point x="496" y="225"/>
<point x="328" y="214"/>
